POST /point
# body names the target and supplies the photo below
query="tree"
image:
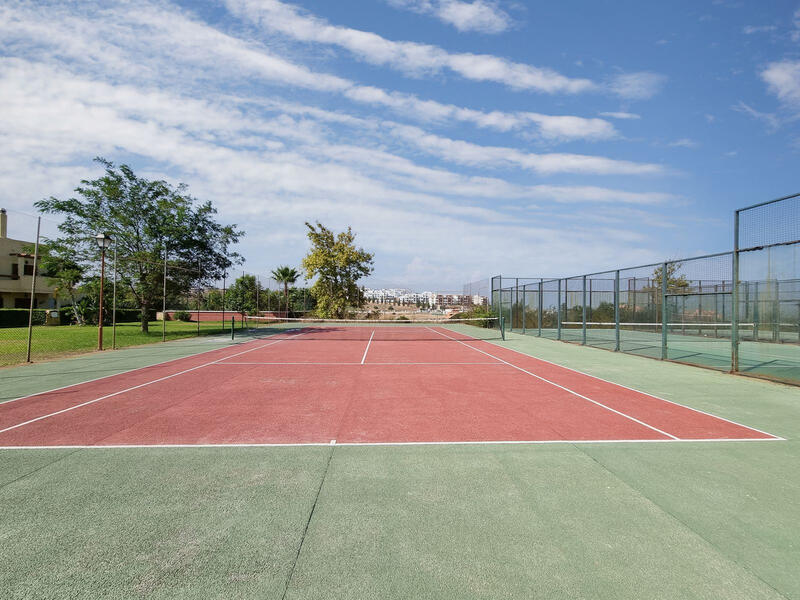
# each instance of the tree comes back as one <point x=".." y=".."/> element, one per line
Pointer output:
<point x="287" y="276"/>
<point x="63" y="273"/>
<point x="241" y="296"/>
<point x="147" y="220"/>
<point x="674" y="280"/>
<point x="337" y="264"/>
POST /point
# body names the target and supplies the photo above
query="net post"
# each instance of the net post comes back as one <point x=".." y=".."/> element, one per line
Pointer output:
<point x="583" y="313"/>
<point x="735" y="296"/>
<point x="616" y="311"/>
<point x="502" y="327"/>
<point x="233" y="327"/>
<point x="33" y="290"/>
<point x="541" y="305"/>
<point x="524" y="295"/>
<point x="776" y="312"/>
<point x="664" y="316"/>
<point x="558" y="312"/>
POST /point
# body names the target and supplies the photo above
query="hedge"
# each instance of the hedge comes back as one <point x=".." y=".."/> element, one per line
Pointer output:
<point x="18" y="317"/>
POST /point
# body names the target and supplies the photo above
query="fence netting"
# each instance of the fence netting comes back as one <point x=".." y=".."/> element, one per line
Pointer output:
<point x="732" y="311"/>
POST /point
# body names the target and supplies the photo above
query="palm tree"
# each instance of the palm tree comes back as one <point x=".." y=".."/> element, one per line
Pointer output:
<point x="287" y="276"/>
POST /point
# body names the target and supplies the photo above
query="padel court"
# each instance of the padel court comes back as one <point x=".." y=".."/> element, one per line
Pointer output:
<point x="320" y="385"/>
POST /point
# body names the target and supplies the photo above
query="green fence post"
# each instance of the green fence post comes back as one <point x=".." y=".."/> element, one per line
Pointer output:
<point x="735" y="296"/>
<point x="664" y="319"/>
<point x="541" y="305"/>
<point x="524" y="294"/>
<point x="558" y="312"/>
<point x="756" y="302"/>
<point x="616" y="311"/>
<point x="776" y="313"/>
<point x="583" y="312"/>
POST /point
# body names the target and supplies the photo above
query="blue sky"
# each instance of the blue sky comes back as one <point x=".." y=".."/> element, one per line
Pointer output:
<point x="460" y="139"/>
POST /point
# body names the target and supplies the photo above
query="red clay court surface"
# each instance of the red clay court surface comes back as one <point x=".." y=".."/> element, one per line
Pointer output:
<point x="396" y="385"/>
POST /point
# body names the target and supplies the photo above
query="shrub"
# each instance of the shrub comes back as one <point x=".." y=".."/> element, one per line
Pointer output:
<point x="182" y="315"/>
<point x="402" y="318"/>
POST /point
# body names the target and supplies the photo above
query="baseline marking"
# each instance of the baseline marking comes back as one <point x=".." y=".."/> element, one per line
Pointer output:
<point x="136" y="387"/>
<point x="566" y="389"/>
<point x="338" y="443"/>
<point x="363" y="358"/>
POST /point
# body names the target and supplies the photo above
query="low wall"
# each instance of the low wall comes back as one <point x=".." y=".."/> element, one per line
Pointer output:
<point x="217" y="315"/>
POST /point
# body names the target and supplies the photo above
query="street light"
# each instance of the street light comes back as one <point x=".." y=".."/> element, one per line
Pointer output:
<point x="104" y="243"/>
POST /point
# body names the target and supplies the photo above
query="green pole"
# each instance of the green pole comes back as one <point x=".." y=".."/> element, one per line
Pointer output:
<point x="541" y="306"/>
<point x="233" y="327"/>
<point x="616" y="311"/>
<point x="524" y="295"/>
<point x="735" y="296"/>
<point x="583" y="312"/>
<point x="558" y="311"/>
<point x="664" y="320"/>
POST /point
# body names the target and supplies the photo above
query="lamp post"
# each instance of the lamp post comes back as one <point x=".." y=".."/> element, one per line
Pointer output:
<point x="103" y="242"/>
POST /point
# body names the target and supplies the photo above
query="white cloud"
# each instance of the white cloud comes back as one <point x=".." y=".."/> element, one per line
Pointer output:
<point x="783" y="80"/>
<point x="176" y="98"/>
<point x="751" y="29"/>
<point x="467" y="153"/>
<point x="409" y="57"/>
<point x="620" y="115"/>
<point x="478" y="15"/>
<point x="637" y="86"/>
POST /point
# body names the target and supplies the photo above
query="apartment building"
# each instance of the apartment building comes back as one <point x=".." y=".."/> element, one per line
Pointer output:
<point x="16" y="273"/>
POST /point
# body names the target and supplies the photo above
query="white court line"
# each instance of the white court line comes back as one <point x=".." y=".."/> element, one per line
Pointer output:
<point x="338" y="443"/>
<point x="363" y="358"/>
<point x="340" y="364"/>
<point x="697" y="410"/>
<point x="566" y="389"/>
<point x="136" y="387"/>
<point x="64" y="387"/>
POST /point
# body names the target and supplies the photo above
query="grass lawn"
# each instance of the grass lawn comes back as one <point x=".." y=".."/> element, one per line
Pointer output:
<point x="52" y="342"/>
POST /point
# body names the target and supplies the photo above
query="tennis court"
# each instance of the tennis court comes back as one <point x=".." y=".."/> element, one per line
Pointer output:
<point x="384" y="460"/>
<point x="366" y="384"/>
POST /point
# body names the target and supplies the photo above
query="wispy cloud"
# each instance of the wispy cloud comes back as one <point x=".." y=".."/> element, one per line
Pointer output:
<point x="637" y="86"/>
<point x="482" y="16"/>
<point x="751" y="29"/>
<point x="769" y="119"/>
<point x="620" y="115"/>
<point x="683" y="143"/>
<point x="410" y="57"/>
<point x="467" y="153"/>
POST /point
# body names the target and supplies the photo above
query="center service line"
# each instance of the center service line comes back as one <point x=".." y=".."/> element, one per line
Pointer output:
<point x="363" y="358"/>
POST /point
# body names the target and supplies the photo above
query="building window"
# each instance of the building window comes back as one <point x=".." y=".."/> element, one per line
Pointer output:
<point x="15" y="270"/>
<point x="28" y="269"/>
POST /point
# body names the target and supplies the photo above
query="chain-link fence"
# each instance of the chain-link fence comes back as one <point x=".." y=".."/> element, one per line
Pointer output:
<point x="732" y="311"/>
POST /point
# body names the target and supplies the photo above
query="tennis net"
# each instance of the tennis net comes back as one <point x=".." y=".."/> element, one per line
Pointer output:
<point x="461" y="330"/>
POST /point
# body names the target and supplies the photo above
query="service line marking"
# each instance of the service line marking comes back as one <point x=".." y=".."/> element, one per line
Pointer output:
<point x="566" y="389"/>
<point x="136" y="387"/>
<point x="363" y="358"/>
